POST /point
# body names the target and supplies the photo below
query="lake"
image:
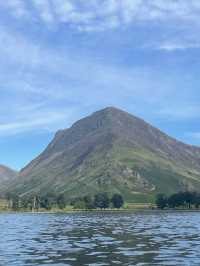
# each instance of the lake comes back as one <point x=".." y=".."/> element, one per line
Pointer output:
<point x="100" y="238"/>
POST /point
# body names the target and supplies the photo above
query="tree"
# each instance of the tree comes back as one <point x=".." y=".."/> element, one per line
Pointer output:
<point x="117" y="201"/>
<point x="79" y="203"/>
<point x="89" y="203"/>
<point x="197" y="200"/>
<point x="9" y="197"/>
<point x="161" y="201"/>
<point x="176" y="200"/>
<point x="61" y="201"/>
<point x="26" y="203"/>
<point x="189" y="198"/>
<point x="48" y="201"/>
<point x="16" y="203"/>
<point x="34" y="203"/>
<point x="101" y="201"/>
<point x="185" y="199"/>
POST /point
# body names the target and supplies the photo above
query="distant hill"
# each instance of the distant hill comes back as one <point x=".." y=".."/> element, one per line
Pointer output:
<point x="7" y="175"/>
<point x="112" y="151"/>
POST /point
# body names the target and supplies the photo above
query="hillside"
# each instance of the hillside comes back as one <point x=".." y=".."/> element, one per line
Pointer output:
<point x="7" y="176"/>
<point x="113" y="151"/>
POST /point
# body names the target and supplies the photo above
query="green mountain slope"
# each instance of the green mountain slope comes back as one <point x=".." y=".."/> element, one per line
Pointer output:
<point x="112" y="151"/>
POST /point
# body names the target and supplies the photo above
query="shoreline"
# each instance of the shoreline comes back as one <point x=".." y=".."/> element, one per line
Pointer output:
<point x="98" y="211"/>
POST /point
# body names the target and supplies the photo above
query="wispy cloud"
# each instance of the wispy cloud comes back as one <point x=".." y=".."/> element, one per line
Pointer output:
<point x="96" y="15"/>
<point x="176" y="22"/>
<point x="171" y="47"/>
<point x="178" y="44"/>
<point x="35" y="118"/>
<point x="30" y="124"/>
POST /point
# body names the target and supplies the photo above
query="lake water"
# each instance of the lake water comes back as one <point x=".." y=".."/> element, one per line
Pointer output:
<point x="97" y="239"/>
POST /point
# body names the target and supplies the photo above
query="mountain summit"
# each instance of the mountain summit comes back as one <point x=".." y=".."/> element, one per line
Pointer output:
<point x="114" y="151"/>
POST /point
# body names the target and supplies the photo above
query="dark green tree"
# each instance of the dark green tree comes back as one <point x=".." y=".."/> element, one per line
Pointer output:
<point x="89" y="203"/>
<point x="173" y="201"/>
<point x="197" y="200"/>
<point x="161" y="201"/>
<point x="185" y="199"/>
<point x="176" y="200"/>
<point x="61" y="201"/>
<point x="189" y="198"/>
<point x="101" y="200"/>
<point x="117" y="201"/>
<point x="48" y="201"/>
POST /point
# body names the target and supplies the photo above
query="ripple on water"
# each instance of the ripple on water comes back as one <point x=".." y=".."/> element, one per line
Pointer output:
<point x="96" y="239"/>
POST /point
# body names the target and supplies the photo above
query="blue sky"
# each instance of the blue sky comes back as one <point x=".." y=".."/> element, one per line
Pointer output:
<point x="63" y="59"/>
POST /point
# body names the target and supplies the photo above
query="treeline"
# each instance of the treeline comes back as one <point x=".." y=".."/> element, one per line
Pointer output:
<point x="36" y="202"/>
<point x="51" y="201"/>
<point x="99" y="201"/>
<point x="185" y="200"/>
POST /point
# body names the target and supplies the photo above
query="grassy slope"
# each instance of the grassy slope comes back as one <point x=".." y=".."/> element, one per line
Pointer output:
<point x="167" y="176"/>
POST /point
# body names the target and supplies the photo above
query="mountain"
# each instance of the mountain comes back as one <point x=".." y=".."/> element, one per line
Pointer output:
<point x="7" y="176"/>
<point x="112" y="151"/>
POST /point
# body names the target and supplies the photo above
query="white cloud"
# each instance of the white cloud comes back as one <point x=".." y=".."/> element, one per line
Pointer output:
<point x="17" y="8"/>
<point x="181" y="16"/>
<point x="33" y="118"/>
<point x="44" y="10"/>
<point x="13" y="128"/>
<point x="100" y="14"/>
<point x="177" y="46"/>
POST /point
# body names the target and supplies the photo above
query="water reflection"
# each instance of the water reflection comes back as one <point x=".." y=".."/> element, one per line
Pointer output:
<point x="97" y="239"/>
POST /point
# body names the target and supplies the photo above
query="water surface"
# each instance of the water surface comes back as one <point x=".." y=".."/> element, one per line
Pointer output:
<point x="97" y="239"/>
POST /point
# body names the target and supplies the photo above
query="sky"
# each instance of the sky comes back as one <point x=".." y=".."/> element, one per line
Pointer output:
<point x="61" y="60"/>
